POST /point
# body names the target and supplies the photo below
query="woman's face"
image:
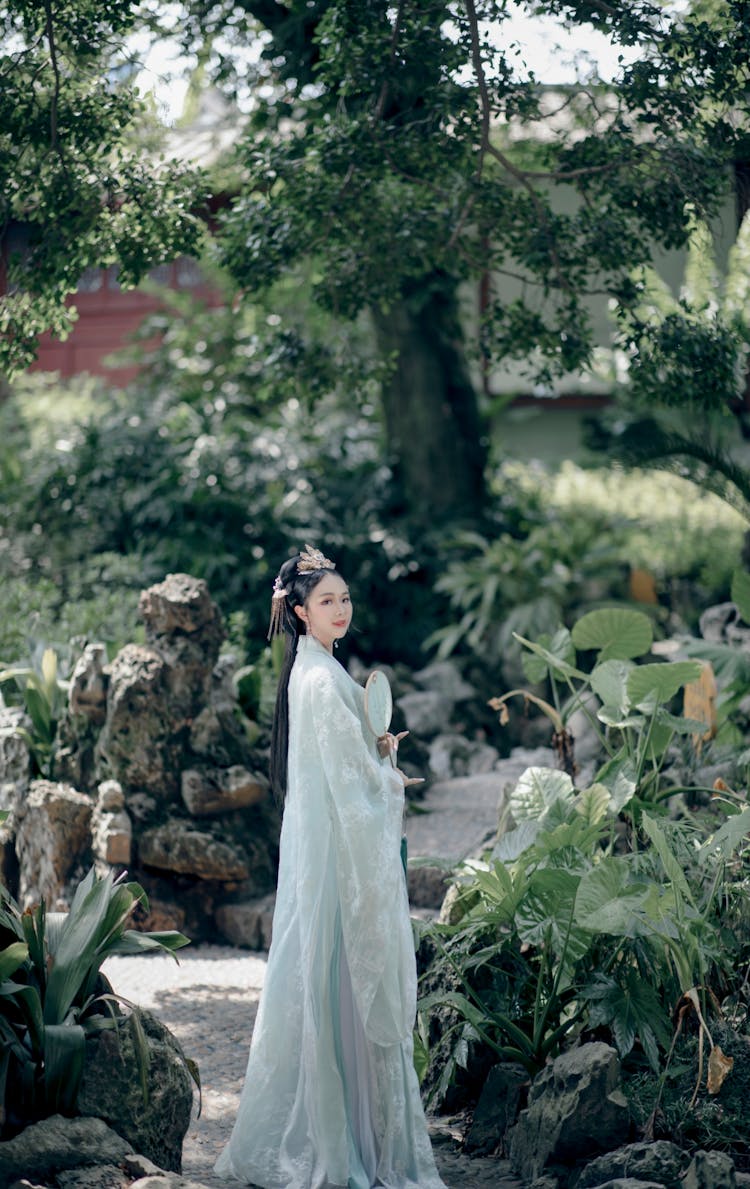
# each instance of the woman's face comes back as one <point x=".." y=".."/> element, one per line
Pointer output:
<point x="327" y="612"/>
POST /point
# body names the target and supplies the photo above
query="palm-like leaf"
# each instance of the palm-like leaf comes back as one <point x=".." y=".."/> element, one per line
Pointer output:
<point x="737" y="286"/>
<point x="53" y="1003"/>
<point x="701" y="287"/>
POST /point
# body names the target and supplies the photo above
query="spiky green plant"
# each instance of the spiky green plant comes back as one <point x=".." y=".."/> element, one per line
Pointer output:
<point x="53" y="995"/>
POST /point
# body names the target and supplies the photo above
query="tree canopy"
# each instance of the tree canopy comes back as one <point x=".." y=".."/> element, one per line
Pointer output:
<point x="396" y="151"/>
<point x="70" y="172"/>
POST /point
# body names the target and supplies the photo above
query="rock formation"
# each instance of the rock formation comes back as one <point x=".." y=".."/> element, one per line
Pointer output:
<point x="155" y="773"/>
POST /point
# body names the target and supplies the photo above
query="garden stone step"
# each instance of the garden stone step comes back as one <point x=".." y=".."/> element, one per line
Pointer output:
<point x="56" y="1144"/>
<point x="458" y="817"/>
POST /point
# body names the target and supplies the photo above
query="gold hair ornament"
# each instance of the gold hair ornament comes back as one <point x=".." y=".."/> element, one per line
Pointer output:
<point x="280" y="592"/>
<point x="312" y="559"/>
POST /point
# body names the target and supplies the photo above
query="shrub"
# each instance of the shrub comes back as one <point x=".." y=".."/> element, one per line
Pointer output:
<point x="53" y="995"/>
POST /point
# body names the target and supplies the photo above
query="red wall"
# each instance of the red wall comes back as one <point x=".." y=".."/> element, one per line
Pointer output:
<point x="107" y="316"/>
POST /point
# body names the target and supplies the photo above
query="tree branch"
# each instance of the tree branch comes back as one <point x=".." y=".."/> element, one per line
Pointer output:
<point x="486" y="146"/>
<point x="50" y="33"/>
<point x="383" y="96"/>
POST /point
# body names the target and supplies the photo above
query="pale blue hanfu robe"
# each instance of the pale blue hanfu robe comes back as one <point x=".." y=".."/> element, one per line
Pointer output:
<point x="330" y="1095"/>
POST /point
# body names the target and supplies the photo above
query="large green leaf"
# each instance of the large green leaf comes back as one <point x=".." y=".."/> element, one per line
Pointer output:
<point x="537" y="790"/>
<point x="609" y="683"/>
<point x="11" y="958"/>
<point x="27" y="997"/>
<point x="741" y="593"/>
<point x="78" y="944"/>
<point x="660" y="681"/>
<point x="559" y="645"/>
<point x="593" y="803"/>
<point x="64" y="1054"/>
<point x="544" y="917"/>
<point x="608" y="901"/>
<point x="617" y="633"/>
<point x="132" y="942"/>
<point x="619" y="776"/>
<point x="557" y="666"/>
<point x="630" y="1007"/>
<point x="510" y="846"/>
<point x="39" y="710"/>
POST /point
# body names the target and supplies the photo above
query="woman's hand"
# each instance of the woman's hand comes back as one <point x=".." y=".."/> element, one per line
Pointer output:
<point x="388" y="743"/>
<point x="410" y="779"/>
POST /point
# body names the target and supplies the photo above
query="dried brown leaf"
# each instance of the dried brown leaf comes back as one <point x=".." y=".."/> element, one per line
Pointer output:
<point x="718" y="1067"/>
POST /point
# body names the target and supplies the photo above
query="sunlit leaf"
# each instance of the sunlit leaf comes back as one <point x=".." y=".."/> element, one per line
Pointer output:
<point x="537" y="789"/>
<point x="593" y="803"/>
<point x="618" y="633"/>
<point x="619" y="776"/>
<point x="609" y="683"/>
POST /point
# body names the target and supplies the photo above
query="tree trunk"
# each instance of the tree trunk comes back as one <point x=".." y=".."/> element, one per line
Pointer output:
<point x="433" y="426"/>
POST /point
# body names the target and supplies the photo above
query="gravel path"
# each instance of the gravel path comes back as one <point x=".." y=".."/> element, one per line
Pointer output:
<point x="209" y="1001"/>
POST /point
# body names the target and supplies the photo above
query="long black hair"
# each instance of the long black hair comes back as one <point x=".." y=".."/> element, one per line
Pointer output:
<point x="298" y="589"/>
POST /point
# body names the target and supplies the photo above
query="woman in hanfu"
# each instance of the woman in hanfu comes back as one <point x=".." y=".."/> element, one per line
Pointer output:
<point x="330" y="1097"/>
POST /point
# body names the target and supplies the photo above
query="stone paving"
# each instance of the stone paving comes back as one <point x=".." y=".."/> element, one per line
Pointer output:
<point x="209" y="1001"/>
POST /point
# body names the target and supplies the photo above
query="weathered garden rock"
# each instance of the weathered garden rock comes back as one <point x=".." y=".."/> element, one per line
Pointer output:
<point x="111" y="827"/>
<point x="455" y="755"/>
<point x="135" y="745"/>
<point x="88" y="684"/>
<point x="661" y="1161"/>
<point x="426" y="712"/>
<point x="98" y="1176"/>
<point x="184" y="625"/>
<point x="444" y="677"/>
<point x="630" y="1183"/>
<point x="497" y="1108"/>
<point x="15" y="760"/>
<point x="180" y="608"/>
<point x="142" y="808"/>
<point x="178" y="846"/>
<point x="208" y="791"/>
<point x="57" y="1143"/>
<point x="710" y="1170"/>
<point x="52" y="836"/>
<point x="111" y="1089"/>
<point x="575" y="1110"/>
<point x="721" y="624"/>
<point x="248" y="924"/>
<point x="166" y="1181"/>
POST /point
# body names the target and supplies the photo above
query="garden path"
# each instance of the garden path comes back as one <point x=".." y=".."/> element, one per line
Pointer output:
<point x="209" y="1002"/>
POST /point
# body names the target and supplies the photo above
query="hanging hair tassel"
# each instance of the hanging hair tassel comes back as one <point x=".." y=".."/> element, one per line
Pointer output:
<point x="276" y="624"/>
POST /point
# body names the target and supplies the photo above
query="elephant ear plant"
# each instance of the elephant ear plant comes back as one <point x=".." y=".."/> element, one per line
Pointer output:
<point x="53" y="995"/>
<point x="626" y="703"/>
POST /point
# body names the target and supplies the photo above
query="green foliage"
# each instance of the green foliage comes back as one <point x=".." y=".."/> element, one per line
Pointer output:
<point x="402" y="161"/>
<point x="562" y="932"/>
<point x="68" y="177"/>
<point x="687" y="372"/>
<point x="53" y="995"/>
<point x="511" y="584"/>
<point x="104" y="493"/>
<point x="44" y="697"/>
<point x="633" y="721"/>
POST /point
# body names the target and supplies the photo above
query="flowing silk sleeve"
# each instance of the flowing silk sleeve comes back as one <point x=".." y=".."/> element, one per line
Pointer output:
<point x="366" y="798"/>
